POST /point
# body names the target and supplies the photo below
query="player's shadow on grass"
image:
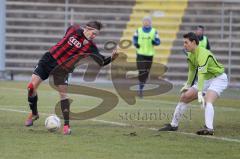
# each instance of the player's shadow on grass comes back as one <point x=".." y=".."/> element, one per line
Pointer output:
<point x="42" y="131"/>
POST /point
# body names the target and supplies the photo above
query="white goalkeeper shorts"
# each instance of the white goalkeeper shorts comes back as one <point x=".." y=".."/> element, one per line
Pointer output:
<point x="217" y="84"/>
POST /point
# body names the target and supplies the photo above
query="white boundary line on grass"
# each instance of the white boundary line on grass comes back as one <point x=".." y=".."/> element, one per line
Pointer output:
<point x="128" y="125"/>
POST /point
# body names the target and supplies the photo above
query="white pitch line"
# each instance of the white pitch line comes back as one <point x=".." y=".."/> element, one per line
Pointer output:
<point x="110" y="122"/>
<point x="13" y="110"/>
<point x="212" y="137"/>
<point x="95" y="120"/>
<point x="128" y="125"/>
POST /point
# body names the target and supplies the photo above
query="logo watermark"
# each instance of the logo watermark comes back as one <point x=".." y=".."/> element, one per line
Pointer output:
<point x="157" y="115"/>
<point x="122" y="83"/>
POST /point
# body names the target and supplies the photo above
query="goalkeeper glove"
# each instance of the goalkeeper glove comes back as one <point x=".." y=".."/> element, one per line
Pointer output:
<point x="185" y="88"/>
<point x="201" y="99"/>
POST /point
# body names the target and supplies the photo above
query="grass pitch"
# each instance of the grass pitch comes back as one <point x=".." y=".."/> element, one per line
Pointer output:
<point x="128" y="131"/>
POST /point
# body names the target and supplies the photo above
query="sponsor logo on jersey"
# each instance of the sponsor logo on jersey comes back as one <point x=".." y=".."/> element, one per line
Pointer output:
<point x="73" y="41"/>
<point x="201" y="68"/>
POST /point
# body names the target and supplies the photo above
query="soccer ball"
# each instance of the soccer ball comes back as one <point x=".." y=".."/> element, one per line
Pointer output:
<point x="52" y="123"/>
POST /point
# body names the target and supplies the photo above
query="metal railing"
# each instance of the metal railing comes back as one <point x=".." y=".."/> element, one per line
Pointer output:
<point x="230" y="47"/>
<point x="228" y="13"/>
<point x="2" y="38"/>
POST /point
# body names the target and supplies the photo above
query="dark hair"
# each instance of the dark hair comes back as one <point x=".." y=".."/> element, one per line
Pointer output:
<point x="95" y="24"/>
<point x="201" y="27"/>
<point x="192" y="37"/>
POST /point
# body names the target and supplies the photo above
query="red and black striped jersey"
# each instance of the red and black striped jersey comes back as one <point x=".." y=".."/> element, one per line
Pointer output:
<point x="75" y="46"/>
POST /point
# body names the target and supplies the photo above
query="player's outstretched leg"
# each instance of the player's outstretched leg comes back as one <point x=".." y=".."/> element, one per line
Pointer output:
<point x="179" y="110"/>
<point x="32" y="99"/>
<point x="65" y="107"/>
<point x="181" y="107"/>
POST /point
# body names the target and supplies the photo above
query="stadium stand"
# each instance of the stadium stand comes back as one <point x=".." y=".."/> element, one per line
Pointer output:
<point x="34" y="26"/>
<point x="223" y="36"/>
<point x="213" y="15"/>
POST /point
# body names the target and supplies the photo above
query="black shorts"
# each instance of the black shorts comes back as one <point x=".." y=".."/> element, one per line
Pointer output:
<point x="46" y="66"/>
<point x="144" y="62"/>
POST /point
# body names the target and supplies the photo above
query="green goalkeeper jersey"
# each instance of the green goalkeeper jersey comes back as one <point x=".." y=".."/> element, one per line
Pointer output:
<point x="202" y="63"/>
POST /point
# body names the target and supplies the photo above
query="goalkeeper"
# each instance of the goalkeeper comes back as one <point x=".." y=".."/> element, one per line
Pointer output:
<point x="211" y="82"/>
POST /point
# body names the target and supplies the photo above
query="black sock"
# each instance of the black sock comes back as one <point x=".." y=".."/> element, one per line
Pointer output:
<point x="32" y="100"/>
<point x="65" y="106"/>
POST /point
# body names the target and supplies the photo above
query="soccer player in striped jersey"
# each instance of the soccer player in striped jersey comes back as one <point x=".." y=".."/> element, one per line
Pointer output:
<point x="75" y="45"/>
<point x="211" y="82"/>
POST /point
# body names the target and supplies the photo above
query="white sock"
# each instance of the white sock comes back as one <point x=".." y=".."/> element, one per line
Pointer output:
<point x="209" y="115"/>
<point x="179" y="110"/>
